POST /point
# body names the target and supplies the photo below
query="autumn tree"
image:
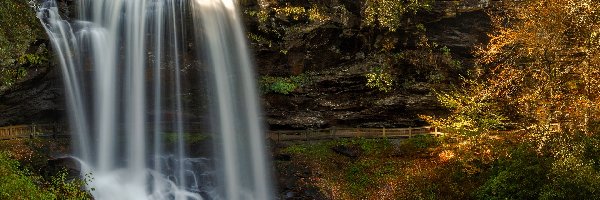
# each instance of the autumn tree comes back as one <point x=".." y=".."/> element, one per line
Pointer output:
<point x="540" y="68"/>
<point x="545" y="59"/>
<point x="540" y="74"/>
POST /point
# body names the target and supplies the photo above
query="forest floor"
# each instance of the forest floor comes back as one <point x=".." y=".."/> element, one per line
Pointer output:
<point x="422" y="167"/>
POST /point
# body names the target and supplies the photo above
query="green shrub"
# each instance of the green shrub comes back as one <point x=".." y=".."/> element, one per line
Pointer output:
<point x="19" y="184"/>
<point x="16" y="183"/>
<point x="282" y="85"/>
<point x="380" y="79"/>
<point x="70" y="189"/>
<point x="520" y="176"/>
<point x="572" y="178"/>
<point x="575" y="172"/>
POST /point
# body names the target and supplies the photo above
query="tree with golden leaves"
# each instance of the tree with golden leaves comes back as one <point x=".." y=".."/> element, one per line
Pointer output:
<point x="543" y="62"/>
<point x="545" y="59"/>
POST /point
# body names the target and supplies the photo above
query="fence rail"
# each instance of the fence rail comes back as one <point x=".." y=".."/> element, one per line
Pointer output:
<point x="334" y="133"/>
<point x="30" y="131"/>
<point x="45" y="130"/>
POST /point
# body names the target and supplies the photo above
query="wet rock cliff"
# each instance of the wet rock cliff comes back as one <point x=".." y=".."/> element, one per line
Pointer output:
<point x="36" y="99"/>
<point x="340" y="59"/>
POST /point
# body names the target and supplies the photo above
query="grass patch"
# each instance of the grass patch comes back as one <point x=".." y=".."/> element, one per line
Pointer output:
<point x="378" y="172"/>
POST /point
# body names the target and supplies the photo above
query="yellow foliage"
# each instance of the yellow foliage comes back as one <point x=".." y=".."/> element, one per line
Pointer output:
<point x="380" y="80"/>
<point x="389" y="13"/>
<point x="294" y="12"/>
<point x="545" y="59"/>
<point x="316" y="15"/>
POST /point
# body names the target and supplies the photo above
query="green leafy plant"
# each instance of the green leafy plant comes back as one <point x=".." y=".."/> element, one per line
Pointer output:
<point x="473" y="110"/>
<point x="379" y="79"/>
<point x="16" y="183"/>
<point x="520" y="176"/>
<point x="70" y="188"/>
<point x="259" y="40"/>
<point x="282" y="85"/>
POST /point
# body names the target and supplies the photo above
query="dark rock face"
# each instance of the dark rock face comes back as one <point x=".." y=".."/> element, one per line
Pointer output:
<point x="343" y="99"/>
<point x="68" y="164"/>
<point x="339" y="52"/>
<point x="37" y="99"/>
<point x="336" y="53"/>
<point x="461" y="33"/>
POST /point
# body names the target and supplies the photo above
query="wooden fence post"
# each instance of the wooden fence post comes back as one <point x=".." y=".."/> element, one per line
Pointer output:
<point x="33" y="130"/>
<point x="332" y="132"/>
<point x="409" y="132"/>
<point x="384" y="131"/>
<point x="306" y="135"/>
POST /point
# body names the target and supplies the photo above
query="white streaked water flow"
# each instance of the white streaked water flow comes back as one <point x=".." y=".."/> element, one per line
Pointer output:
<point x="131" y="69"/>
<point x="243" y="164"/>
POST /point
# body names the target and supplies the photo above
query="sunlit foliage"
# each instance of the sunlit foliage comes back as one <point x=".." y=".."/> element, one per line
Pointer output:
<point x="379" y="79"/>
<point x="293" y="12"/>
<point x="541" y="69"/>
<point x="539" y="76"/>
<point x="390" y="13"/>
<point x="545" y="59"/>
<point x="473" y="110"/>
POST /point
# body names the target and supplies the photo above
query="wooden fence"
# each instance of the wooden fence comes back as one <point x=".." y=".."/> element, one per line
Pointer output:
<point x="52" y="130"/>
<point x="30" y="131"/>
<point x="334" y="133"/>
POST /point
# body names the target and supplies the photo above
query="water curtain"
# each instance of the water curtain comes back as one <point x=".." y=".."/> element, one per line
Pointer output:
<point x="138" y="74"/>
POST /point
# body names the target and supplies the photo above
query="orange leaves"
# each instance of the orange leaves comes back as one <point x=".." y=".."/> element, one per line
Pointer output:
<point x="446" y="155"/>
<point x="545" y="58"/>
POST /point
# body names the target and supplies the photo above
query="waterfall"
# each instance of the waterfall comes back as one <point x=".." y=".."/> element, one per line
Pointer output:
<point x="130" y="69"/>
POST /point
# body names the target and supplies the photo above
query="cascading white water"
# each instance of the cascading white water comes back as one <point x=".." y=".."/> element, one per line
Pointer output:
<point x="125" y="63"/>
